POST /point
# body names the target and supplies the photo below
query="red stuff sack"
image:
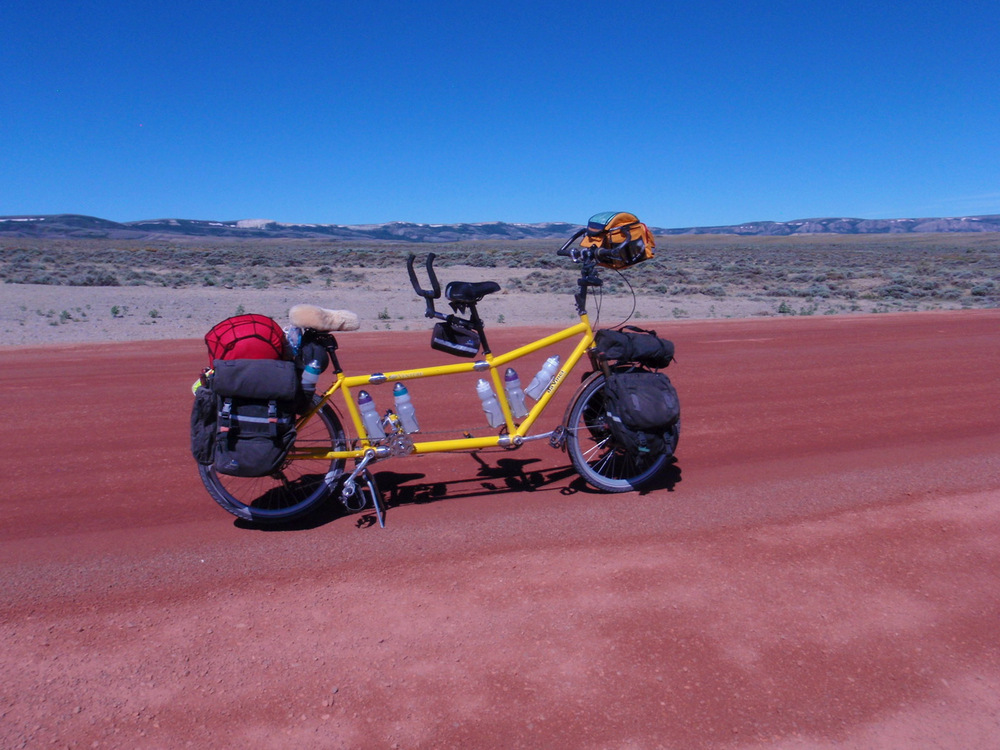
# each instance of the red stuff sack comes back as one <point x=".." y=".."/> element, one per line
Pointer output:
<point x="245" y="337"/>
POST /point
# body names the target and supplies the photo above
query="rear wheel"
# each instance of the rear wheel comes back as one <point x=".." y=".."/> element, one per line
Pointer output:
<point x="295" y="488"/>
<point x="597" y="458"/>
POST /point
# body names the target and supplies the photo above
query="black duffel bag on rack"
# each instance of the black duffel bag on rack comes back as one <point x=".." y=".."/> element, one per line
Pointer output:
<point x="631" y="344"/>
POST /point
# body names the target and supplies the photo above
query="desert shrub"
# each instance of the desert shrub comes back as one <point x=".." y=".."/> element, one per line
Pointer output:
<point x="818" y="290"/>
<point x="781" y="291"/>
<point x="93" y="278"/>
<point x="481" y="260"/>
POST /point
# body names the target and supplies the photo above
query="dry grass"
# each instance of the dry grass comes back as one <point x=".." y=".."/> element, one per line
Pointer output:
<point x="154" y="283"/>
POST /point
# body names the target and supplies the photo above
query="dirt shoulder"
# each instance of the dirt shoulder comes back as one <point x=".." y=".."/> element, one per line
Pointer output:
<point x="32" y="314"/>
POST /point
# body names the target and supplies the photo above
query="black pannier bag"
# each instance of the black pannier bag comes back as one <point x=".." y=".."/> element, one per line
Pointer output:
<point x="642" y="409"/>
<point x="255" y="402"/>
<point x="455" y="339"/>
<point x="634" y="344"/>
<point x="204" y="422"/>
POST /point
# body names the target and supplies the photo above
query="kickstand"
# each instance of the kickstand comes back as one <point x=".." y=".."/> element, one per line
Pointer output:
<point x="376" y="496"/>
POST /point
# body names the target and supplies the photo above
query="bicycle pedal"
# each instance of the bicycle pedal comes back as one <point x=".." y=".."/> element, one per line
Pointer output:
<point x="352" y="496"/>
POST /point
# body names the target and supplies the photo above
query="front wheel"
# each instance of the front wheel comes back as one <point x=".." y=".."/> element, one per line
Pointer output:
<point x="295" y="488"/>
<point x="596" y="457"/>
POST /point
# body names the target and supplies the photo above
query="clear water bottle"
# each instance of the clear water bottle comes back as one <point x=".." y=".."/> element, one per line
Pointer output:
<point x="404" y="408"/>
<point x="293" y="338"/>
<point x="515" y="395"/>
<point x="370" y="417"/>
<point x="544" y="377"/>
<point x="494" y="414"/>
<point x="310" y="374"/>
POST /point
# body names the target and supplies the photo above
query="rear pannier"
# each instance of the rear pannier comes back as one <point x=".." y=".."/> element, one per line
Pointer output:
<point x="255" y="413"/>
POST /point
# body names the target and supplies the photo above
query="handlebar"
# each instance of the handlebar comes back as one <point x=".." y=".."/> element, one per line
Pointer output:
<point x="434" y="292"/>
<point x="590" y="254"/>
<point x="589" y="257"/>
<point x="565" y="250"/>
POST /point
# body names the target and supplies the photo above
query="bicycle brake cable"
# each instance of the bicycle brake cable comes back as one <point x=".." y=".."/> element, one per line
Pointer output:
<point x="632" y="290"/>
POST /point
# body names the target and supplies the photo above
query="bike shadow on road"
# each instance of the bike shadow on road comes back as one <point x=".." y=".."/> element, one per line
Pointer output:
<point x="504" y="476"/>
<point x="500" y="477"/>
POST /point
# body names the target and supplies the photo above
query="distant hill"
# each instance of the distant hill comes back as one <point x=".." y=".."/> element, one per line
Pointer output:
<point x="850" y="226"/>
<point x="76" y="226"/>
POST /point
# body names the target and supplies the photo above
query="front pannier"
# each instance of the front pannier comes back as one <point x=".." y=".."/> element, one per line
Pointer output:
<point x="642" y="410"/>
<point x="631" y="344"/>
<point x="255" y="415"/>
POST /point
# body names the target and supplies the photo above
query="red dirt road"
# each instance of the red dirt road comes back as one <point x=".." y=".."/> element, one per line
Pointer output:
<point x="820" y="570"/>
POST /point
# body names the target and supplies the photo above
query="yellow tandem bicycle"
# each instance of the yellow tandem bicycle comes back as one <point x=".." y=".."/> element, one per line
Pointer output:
<point x="315" y="467"/>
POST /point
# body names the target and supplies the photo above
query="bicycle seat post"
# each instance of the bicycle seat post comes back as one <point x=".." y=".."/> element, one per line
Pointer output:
<point x="477" y="324"/>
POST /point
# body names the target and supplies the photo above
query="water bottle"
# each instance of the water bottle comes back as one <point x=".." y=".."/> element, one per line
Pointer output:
<point x="515" y="396"/>
<point x="370" y="417"/>
<point x="404" y="408"/>
<point x="541" y="381"/>
<point x="310" y="374"/>
<point x="293" y="337"/>
<point x="494" y="414"/>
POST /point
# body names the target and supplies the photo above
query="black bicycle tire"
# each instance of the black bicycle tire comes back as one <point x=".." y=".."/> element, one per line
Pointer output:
<point x="297" y="488"/>
<point x="596" y="459"/>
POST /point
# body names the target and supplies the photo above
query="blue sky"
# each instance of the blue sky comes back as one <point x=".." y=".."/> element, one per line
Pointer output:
<point x="687" y="114"/>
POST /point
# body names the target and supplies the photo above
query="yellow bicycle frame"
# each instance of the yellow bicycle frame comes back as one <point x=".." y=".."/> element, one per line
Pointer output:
<point x="515" y="433"/>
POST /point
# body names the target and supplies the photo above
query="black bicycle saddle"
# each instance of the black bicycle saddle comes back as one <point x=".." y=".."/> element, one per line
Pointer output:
<point x="469" y="292"/>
